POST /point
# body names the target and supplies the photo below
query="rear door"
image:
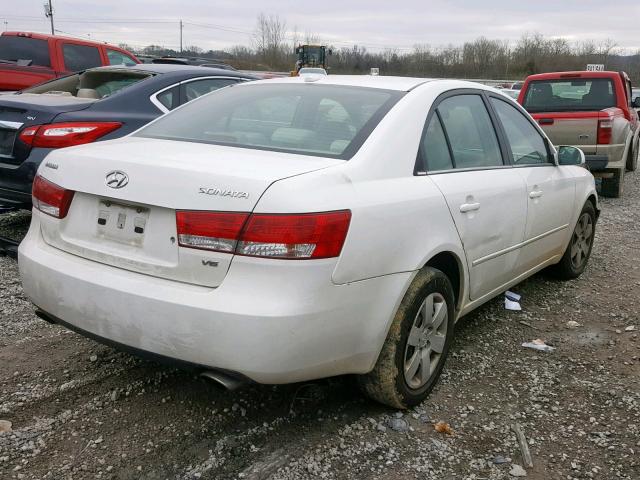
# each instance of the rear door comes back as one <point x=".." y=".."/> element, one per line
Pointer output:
<point x="485" y="196"/>
<point x="550" y="190"/>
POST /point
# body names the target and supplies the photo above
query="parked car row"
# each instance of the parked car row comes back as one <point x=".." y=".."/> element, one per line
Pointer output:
<point x="96" y="104"/>
<point x="236" y="234"/>
<point x="246" y="221"/>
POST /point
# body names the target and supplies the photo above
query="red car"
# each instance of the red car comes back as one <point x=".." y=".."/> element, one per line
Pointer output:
<point x="30" y="58"/>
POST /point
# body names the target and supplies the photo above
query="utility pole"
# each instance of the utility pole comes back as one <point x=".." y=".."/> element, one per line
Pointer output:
<point x="180" y="35"/>
<point x="48" y="12"/>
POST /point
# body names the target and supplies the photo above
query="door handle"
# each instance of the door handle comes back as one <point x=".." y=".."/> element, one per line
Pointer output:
<point x="469" y="207"/>
<point x="535" y="194"/>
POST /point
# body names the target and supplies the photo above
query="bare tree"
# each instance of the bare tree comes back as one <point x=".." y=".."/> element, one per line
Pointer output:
<point x="269" y="40"/>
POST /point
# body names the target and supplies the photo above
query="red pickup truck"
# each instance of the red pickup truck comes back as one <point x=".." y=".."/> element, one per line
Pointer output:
<point x="593" y="111"/>
<point x="30" y="58"/>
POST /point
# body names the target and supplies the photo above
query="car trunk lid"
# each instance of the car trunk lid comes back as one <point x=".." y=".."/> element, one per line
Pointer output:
<point x="19" y="111"/>
<point x="133" y="227"/>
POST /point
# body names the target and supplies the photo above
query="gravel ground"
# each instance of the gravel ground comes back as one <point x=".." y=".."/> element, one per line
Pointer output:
<point x="82" y="410"/>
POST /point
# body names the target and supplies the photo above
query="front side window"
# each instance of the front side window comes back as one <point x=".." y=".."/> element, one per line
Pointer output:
<point x="570" y="95"/>
<point x="321" y="120"/>
<point x="468" y="126"/>
<point x="80" y="57"/>
<point x="197" y="88"/>
<point x="526" y="144"/>
<point x="118" y="58"/>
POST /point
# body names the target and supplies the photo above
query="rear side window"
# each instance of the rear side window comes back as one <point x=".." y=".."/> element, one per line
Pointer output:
<point x="80" y="57"/>
<point x="526" y="144"/>
<point x="320" y="120"/>
<point x="570" y="95"/>
<point x="14" y="48"/>
<point x="434" y="147"/>
<point x="468" y="126"/>
<point x="197" y="88"/>
<point x="169" y="98"/>
<point x="118" y="58"/>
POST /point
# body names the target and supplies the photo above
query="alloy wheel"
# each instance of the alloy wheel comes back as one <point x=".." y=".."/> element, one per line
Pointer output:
<point x="581" y="241"/>
<point x="426" y="341"/>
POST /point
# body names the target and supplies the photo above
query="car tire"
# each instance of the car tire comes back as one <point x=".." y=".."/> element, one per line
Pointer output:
<point x="632" y="161"/>
<point x="422" y="325"/>
<point x="577" y="254"/>
<point x="614" y="186"/>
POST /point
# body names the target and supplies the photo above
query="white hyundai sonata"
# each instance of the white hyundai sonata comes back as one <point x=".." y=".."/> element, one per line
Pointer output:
<point x="299" y="228"/>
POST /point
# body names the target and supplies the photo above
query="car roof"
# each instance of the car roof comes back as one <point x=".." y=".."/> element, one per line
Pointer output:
<point x="574" y="74"/>
<point x="402" y="84"/>
<point x="171" y="68"/>
<point x="373" y="81"/>
<point x="46" y="36"/>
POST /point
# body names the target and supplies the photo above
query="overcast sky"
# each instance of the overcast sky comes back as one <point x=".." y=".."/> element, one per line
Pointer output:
<point x="375" y="24"/>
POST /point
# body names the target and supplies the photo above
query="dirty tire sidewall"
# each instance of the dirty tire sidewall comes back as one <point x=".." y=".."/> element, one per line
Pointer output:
<point x="386" y="382"/>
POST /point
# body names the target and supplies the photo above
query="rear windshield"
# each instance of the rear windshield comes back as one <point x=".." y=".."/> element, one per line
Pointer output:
<point x="571" y="95"/>
<point x="322" y="120"/>
<point x="93" y="84"/>
<point x="24" y="48"/>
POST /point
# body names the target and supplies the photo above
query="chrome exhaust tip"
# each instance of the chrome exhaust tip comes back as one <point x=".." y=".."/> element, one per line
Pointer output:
<point x="224" y="380"/>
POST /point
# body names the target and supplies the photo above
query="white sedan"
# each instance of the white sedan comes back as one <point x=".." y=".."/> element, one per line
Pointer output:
<point x="298" y="228"/>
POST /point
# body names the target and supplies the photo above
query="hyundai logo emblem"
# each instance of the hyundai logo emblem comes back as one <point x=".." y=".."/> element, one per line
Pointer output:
<point x="117" y="179"/>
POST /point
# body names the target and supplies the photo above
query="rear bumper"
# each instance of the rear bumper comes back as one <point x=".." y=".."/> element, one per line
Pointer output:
<point x="271" y="321"/>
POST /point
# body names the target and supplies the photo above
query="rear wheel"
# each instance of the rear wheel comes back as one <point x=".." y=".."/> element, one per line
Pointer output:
<point x="632" y="160"/>
<point x="417" y="344"/>
<point x="613" y="187"/>
<point x="577" y="254"/>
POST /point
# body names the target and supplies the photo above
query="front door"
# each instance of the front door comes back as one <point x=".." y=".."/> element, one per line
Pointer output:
<point x="550" y="190"/>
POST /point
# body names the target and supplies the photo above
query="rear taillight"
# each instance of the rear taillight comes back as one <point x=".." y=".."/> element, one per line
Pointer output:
<point x="50" y="198"/>
<point x="310" y="235"/>
<point x="217" y="231"/>
<point x="58" y="135"/>
<point x="605" y="128"/>
<point x="284" y="236"/>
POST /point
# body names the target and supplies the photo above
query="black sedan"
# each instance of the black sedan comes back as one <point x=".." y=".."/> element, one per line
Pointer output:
<point x="97" y="104"/>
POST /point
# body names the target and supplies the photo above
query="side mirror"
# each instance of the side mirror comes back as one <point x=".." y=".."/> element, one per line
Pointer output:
<point x="568" y="155"/>
<point x="636" y="102"/>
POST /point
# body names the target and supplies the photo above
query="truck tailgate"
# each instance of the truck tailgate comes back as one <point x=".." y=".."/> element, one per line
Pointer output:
<point x="571" y="128"/>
